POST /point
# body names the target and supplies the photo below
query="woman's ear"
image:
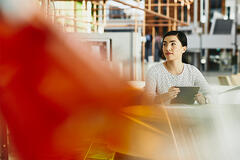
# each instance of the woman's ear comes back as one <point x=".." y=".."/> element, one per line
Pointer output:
<point x="184" y="49"/>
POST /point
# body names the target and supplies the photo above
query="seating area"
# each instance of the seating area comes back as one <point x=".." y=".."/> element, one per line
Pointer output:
<point x="232" y="80"/>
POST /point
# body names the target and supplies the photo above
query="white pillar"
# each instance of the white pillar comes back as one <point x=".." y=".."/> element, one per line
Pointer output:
<point x="206" y="30"/>
<point x="195" y="21"/>
<point x="235" y="21"/>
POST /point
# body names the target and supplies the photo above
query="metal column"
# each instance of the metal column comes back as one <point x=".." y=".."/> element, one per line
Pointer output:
<point x="235" y="45"/>
<point x="206" y="31"/>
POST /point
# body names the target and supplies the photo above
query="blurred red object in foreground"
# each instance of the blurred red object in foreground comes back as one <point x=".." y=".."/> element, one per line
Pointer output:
<point x="54" y="98"/>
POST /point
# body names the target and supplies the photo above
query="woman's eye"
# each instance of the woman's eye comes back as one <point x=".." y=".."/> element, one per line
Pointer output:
<point x="173" y="44"/>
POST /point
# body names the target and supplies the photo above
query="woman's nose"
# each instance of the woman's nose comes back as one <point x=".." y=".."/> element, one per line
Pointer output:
<point x="169" y="48"/>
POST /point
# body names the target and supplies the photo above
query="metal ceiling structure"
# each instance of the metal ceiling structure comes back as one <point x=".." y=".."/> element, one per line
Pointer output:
<point x="158" y="13"/>
<point x="155" y="15"/>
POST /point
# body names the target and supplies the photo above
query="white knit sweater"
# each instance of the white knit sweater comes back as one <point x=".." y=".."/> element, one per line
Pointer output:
<point x="159" y="80"/>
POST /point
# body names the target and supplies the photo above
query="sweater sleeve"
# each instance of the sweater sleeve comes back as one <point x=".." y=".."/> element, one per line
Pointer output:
<point x="200" y="81"/>
<point x="151" y="83"/>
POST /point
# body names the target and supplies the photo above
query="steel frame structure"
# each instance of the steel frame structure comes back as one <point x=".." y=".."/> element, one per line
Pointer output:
<point x="157" y="13"/>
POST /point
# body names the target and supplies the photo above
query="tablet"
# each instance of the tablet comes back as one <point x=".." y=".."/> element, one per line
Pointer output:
<point x="186" y="95"/>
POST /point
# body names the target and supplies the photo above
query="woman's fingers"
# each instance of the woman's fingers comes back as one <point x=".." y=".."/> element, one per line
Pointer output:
<point x="173" y="92"/>
<point x="200" y="98"/>
<point x="171" y="89"/>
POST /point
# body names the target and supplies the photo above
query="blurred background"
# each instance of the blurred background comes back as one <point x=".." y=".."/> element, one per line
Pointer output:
<point x="129" y="32"/>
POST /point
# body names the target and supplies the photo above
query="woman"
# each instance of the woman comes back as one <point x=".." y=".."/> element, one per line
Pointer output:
<point x="162" y="78"/>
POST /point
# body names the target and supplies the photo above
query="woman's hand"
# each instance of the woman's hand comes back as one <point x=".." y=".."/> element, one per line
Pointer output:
<point x="200" y="98"/>
<point x="167" y="97"/>
<point x="172" y="92"/>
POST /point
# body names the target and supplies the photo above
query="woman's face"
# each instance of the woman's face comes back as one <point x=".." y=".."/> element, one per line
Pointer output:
<point x="172" y="48"/>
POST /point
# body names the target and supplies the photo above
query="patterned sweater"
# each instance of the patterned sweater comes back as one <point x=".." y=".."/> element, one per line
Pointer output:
<point x="159" y="80"/>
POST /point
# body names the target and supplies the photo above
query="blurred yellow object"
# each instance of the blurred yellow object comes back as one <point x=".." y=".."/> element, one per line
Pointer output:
<point x="225" y="80"/>
<point x="99" y="151"/>
<point x="235" y="79"/>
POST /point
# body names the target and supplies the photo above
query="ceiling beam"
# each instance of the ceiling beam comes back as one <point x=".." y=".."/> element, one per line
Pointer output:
<point x="151" y="12"/>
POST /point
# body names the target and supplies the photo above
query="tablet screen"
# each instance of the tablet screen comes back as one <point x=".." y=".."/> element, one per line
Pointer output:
<point x="186" y="95"/>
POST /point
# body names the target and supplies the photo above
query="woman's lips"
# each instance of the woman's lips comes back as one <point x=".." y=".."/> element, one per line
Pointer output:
<point x="168" y="53"/>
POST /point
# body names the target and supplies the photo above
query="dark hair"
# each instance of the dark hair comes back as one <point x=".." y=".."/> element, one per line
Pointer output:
<point x="180" y="35"/>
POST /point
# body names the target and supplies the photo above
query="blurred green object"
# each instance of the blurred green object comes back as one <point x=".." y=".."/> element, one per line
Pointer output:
<point x="99" y="151"/>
